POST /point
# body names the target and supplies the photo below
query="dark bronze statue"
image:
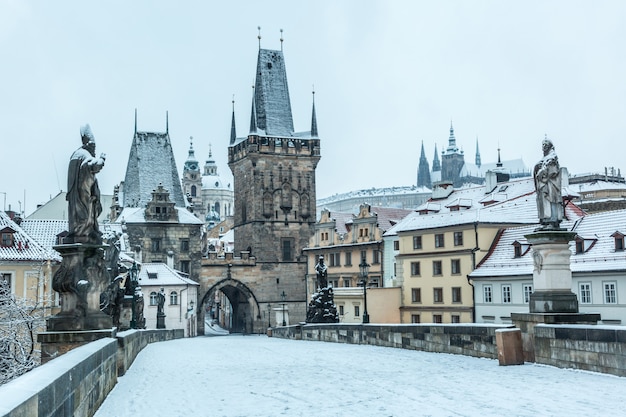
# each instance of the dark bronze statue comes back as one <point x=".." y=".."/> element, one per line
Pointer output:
<point x="322" y="273"/>
<point x="83" y="193"/>
<point x="547" y="174"/>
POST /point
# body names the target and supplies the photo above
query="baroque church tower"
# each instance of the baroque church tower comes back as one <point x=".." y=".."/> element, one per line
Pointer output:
<point x="192" y="181"/>
<point x="274" y="172"/>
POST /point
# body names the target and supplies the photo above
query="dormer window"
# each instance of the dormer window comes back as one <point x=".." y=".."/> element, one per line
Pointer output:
<point x="583" y="245"/>
<point x="6" y="237"/>
<point x="520" y="249"/>
<point x="619" y="241"/>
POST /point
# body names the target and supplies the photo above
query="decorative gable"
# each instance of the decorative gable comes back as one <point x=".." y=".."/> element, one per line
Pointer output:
<point x="160" y="208"/>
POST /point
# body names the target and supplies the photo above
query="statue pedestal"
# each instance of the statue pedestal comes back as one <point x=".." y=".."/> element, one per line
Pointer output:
<point x="552" y="300"/>
<point x="55" y="344"/>
<point x="160" y="321"/>
<point x="552" y="276"/>
<point x="322" y="307"/>
<point x="80" y="281"/>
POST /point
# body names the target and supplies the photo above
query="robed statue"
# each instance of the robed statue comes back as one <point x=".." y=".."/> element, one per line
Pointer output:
<point x="547" y="174"/>
<point x="83" y="194"/>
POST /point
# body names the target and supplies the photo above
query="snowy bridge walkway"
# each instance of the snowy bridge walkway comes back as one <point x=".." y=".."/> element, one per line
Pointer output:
<point x="261" y="376"/>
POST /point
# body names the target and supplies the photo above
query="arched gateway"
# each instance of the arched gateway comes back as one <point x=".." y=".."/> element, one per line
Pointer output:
<point x="243" y="310"/>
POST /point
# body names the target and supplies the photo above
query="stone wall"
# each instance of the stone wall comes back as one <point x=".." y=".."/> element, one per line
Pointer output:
<point x="588" y="347"/>
<point x="592" y="348"/>
<point x="76" y="383"/>
<point x="471" y="340"/>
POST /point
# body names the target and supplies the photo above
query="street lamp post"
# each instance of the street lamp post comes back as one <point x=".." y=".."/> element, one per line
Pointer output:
<point x="133" y="286"/>
<point x="269" y="315"/>
<point x="283" y="296"/>
<point x="363" y="267"/>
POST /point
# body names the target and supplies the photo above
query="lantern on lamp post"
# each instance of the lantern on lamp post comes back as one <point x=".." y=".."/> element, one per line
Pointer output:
<point x="363" y="271"/>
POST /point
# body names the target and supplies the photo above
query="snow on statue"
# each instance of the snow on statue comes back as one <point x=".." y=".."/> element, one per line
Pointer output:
<point x="83" y="193"/>
<point x="547" y="175"/>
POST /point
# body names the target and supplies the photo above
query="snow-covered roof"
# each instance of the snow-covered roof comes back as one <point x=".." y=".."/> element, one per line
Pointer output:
<point x="23" y="247"/>
<point x="151" y="163"/>
<point x="160" y="274"/>
<point x="213" y="182"/>
<point x="599" y="256"/>
<point x="137" y="215"/>
<point x="45" y="232"/>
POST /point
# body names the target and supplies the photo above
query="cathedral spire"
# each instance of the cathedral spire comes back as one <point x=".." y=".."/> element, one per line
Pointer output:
<point x="135" y="121"/>
<point x="436" y="163"/>
<point x="253" y="126"/>
<point x="478" y="162"/>
<point x="452" y="140"/>
<point x="423" y="171"/>
<point x="313" y="118"/>
<point x="233" y="131"/>
<point x="167" y="122"/>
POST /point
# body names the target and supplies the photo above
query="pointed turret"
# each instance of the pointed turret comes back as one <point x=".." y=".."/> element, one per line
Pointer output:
<point x="233" y="131"/>
<point x="423" y="171"/>
<point x="452" y="148"/>
<point x="436" y="163"/>
<point x="210" y="166"/>
<point x="167" y="123"/>
<point x="135" y="121"/>
<point x="253" y="125"/>
<point x="314" y="119"/>
<point x="478" y="163"/>
<point x="191" y="164"/>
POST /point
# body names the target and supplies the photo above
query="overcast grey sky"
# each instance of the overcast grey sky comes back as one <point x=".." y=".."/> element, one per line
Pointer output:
<point x="387" y="74"/>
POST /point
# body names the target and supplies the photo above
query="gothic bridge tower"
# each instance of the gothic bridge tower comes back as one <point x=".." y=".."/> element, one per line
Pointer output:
<point x="273" y="169"/>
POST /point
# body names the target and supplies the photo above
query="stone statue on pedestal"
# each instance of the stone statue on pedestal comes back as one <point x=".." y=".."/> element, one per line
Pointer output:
<point x="322" y="307"/>
<point x="547" y="174"/>
<point x="322" y="273"/>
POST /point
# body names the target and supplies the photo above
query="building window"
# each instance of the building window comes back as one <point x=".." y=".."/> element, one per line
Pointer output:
<point x="193" y="188"/>
<point x="357" y="311"/>
<point x="7" y="240"/>
<point x="456" y="318"/>
<point x="517" y="250"/>
<point x="173" y="298"/>
<point x="580" y="246"/>
<point x="184" y="266"/>
<point x="619" y="241"/>
<point x="348" y="258"/>
<point x="417" y="242"/>
<point x="415" y="268"/>
<point x="506" y="294"/>
<point x="363" y="254"/>
<point x="487" y="294"/>
<point x="335" y="259"/>
<point x="396" y="245"/>
<point x="528" y="289"/>
<point x="375" y="256"/>
<point x="439" y="241"/>
<point x="437" y="268"/>
<point x="156" y="244"/>
<point x="287" y="246"/>
<point x="333" y="283"/>
<point x="437" y="318"/>
<point x="455" y="265"/>
<point x="438" y="295"/>
<point x="584" y="292"/>
<point x="154" y="300"/>
<point x="610" y="292"/>
<point x="341" y="310"/>
<point x="456" y="294"/>
<point x="416" y="295"/>
<point x="184" y="245"/>
<point x="458" y="238"/>
<point x="415" y="318"/>
<point x="5" y="279"/>
<point x="346" y="282"/>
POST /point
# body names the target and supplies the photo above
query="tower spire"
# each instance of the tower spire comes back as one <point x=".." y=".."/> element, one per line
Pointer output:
<point x="313" y="118"/>
<point x="478" y="162"/>
<point x="423" y="171"/>
<point x="436" y="163"/>
<point x="167" y="122"/>
<point x="281" y="39"/>
<point x="233" y="132"/>
<point x="253" y="126"/>
<point x="259" y="36"/>
<point x="135" y="120"/>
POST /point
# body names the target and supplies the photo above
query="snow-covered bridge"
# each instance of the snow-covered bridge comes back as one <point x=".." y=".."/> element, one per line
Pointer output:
<point x="261" y="376"/>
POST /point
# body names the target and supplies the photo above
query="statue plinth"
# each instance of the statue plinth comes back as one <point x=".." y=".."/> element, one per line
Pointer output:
<point x="160" y="321"/>
<point x="80" y="281"/>
<point x="552" y="276"/>
<point x="322" y="307"/>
